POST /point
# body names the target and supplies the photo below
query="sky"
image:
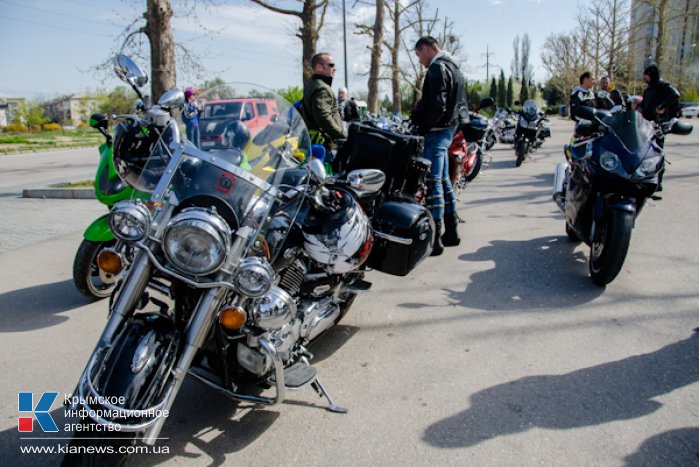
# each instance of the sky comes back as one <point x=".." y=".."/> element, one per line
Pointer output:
<point x="50" y="47"/>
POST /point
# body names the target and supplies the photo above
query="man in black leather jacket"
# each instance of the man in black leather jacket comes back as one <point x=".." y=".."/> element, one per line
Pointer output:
<point x="435" y="117"/>
<point x="660" y="98"/>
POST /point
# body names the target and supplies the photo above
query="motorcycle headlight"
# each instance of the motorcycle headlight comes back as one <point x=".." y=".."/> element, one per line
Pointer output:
<point x="254" y="277"/>
<point x="609" y="161"/>
<point x="197" y="241"/>
<point x="130" y="221"/>
<point x="648" y="166"/>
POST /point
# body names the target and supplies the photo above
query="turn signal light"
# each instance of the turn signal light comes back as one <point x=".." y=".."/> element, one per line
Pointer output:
<point x="232" y="318"/>
<point x="109" y="261"/>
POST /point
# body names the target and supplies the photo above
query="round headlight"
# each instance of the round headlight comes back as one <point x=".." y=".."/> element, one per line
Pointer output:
<point x="130" y="221"/>
<point x="609" y="161"/>
<point x="254" y="277"/>
<point x="648" y="166"/>
<point x="197" y="241"/>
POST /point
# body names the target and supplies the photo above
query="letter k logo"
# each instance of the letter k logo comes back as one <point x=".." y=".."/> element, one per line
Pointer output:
<point x="40" y="411"/>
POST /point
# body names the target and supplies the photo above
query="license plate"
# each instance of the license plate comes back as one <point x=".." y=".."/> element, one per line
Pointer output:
<point x="207" y="144"/>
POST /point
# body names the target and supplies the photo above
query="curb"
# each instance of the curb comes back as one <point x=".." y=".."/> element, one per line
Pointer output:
<point x="59" y="193"/>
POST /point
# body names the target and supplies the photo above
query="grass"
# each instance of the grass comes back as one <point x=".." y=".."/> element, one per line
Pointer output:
<point x="11" y="143"/>
<point x="79" y="184"/>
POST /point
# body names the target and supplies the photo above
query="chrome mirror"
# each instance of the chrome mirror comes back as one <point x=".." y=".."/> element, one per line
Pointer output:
<point x="127" y="70"/>
<point x="172" y="98"/>
<point x="318" y="171"/>
<point x="368" y="181"/>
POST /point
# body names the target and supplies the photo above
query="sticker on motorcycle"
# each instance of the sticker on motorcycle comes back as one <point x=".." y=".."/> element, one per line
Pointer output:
<point x="225" y="183"/>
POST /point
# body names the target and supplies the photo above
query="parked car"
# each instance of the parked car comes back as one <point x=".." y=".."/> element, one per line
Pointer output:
<point x="217" y="115"/>
<point x="690" y="111"/>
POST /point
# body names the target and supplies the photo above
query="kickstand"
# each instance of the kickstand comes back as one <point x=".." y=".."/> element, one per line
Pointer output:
<point x="318" y="387"/>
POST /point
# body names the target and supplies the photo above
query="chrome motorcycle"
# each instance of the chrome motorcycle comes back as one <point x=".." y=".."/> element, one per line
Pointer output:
<point x="242" y="256"/>
<point x="501" y="129"/>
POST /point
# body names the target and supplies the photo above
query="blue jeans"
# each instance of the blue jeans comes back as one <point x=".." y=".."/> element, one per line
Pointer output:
<point x="192" y="133"/>
<point x="442" y="199"/>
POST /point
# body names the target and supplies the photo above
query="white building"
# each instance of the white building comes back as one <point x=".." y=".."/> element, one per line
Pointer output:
<point x="8" y="106"/>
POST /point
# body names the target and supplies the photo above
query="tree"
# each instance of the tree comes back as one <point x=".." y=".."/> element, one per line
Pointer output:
<point x="30" y="114"/>
<point x="375" y="60"/>
<point x="311" y="24"/>
<point x="515" y="65"/>
<point x="502" y="90"/>
<point x="509" y="93"/>
<point x="118" y="101"/>
<point x="524" y="91"/>
<point x="494" y="89"/>
<point x="293" y="94"/>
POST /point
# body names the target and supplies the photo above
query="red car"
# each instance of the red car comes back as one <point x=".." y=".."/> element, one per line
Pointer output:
<point x="216" y="116"/>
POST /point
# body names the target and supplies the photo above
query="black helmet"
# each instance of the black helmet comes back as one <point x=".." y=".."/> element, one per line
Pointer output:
<point x="132" y="148"/>
<point x="236" y="135"/>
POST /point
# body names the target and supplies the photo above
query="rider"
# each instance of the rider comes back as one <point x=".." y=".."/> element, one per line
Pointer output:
<point x="583" y="93"/>
<point x="660" y="101"/>
<point x="435" y="117"/>
<point x="319" y="105"/>
<point x="607" y="96"/>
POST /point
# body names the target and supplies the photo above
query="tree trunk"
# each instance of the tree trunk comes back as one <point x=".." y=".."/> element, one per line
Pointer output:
<point x="160" y="37"/>
<point x="395" y="71"/>
<point x="660" y="33"/>
<point x="375" y="63"/>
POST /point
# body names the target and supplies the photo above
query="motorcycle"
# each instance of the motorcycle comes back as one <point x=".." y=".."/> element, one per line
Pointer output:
<point x="466" y="152"/>
<point x="614" y="166"/>
<point x="88" y="278"/>
<point x="530" y="132"/>
<point x="234" y="271"/>
<point x="501" y="129"/>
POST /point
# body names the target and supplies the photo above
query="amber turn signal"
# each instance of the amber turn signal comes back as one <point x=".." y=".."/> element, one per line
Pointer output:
<point x="232" y="318"/>
<point x="109" y="261"/>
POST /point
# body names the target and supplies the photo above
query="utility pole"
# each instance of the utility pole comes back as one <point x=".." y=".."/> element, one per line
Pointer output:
<point x="345" y="51"/>
<point x="488" y="56"/>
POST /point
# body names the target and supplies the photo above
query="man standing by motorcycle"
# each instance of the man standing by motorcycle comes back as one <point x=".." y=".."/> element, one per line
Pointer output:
<point x="319" y="106"/>
<point x="583" y="93"/>
<point x="435" y="117"/>
<point x="660" y="101"/>
<point x="607" y="96"/>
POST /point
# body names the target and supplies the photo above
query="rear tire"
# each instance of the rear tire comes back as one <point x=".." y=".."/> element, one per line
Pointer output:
<point x="477" y="168"/>
<point x="88" y="278"/>
<point x="608" y="255"/>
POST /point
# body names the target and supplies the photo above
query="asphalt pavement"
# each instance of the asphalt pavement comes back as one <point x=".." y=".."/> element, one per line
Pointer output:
<point x="499" y="352"/>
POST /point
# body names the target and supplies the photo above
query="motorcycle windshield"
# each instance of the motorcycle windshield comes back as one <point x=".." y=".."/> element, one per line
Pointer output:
<point x="244" y="180"/>
<point x="530" y="110"/>
<point x="630" y="128"/>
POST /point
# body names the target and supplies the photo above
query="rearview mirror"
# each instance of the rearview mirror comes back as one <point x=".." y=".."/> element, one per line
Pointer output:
<point x="127" y="70"/>
<point x="681" y="128"/>
<point x="172" y="98"/>
<point x="318" y="171"/>
<point x="98" y="121"/>
<point x="486" y="102"/>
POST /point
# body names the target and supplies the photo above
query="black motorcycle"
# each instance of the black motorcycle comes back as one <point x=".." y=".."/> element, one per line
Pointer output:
<point x="530" y="132"/>
<point x="242" y="257"/>
<point x="614" y="166"/>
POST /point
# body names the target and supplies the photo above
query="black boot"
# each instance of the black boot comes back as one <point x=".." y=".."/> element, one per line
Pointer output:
<point x="451" y="237"/>
<point x="438" y="247"/>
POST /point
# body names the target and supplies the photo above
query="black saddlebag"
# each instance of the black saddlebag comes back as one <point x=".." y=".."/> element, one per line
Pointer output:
<point x="403" y="237"/>
<point x="394" y="154"/>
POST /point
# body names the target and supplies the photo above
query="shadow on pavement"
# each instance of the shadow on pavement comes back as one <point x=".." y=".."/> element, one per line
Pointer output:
<point x="542" y="273"/>
<point x="675" y="447"/>
<point x="619" y="390"/>
<point x="37" y="307"/>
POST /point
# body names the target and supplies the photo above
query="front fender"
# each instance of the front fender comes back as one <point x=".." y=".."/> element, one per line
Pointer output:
<point x="99" y="230"/>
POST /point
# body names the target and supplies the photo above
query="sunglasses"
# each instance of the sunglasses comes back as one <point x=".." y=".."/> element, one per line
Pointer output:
<point x="330" y="65"/>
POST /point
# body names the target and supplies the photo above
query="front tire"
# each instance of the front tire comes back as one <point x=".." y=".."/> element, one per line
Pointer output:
<point x="520" y="151"/>
<point x="608" y="254"/>
<point x="571" y="233"/>
<point x="88" y="279"/>
<point x="490" y="141"/>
